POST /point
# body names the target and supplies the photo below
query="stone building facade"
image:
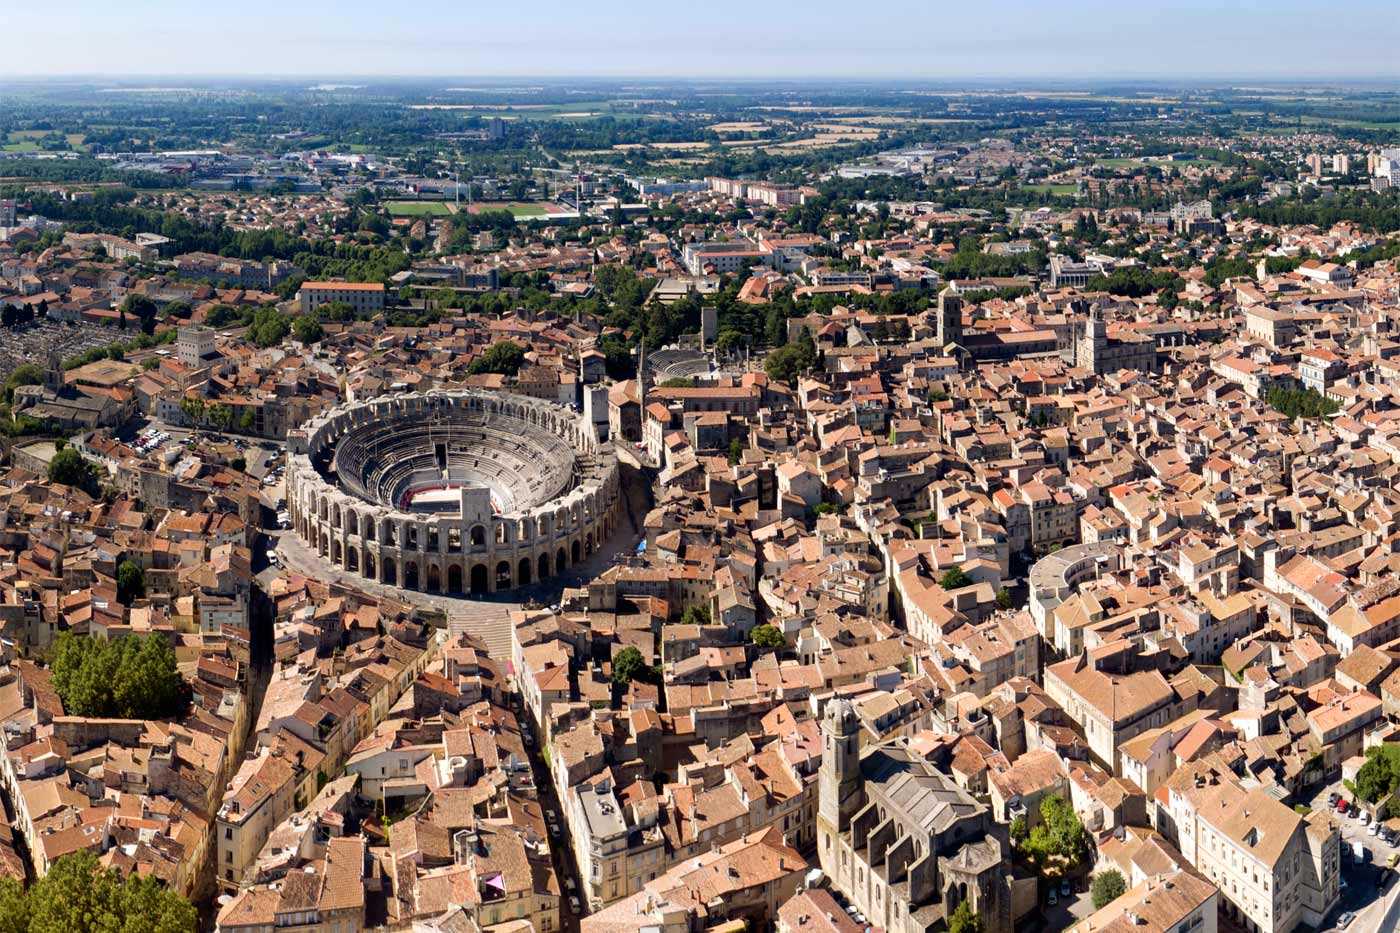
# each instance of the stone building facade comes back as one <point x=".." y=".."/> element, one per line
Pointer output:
<point x="900" y="839"/>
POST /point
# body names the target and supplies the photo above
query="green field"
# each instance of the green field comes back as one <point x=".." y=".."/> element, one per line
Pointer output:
<point x="1058" y="191"/>
<point x="418" y="208"/>
<point x="1310" y="120"/>
<point x="28" y="141"/>
<point x="1119" y="163"/>
<point x="516" y="208"/>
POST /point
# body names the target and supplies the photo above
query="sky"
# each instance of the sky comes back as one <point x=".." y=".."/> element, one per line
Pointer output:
<point x="895" y="39"/>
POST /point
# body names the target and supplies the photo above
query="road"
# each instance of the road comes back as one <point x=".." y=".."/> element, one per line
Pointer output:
<point x="561" y="852"/>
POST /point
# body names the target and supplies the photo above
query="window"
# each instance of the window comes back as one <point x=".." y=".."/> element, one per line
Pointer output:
<point x="228" y="832"/>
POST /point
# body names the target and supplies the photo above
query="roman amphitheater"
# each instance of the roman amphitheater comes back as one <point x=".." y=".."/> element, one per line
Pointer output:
<point x="451" y="492"/>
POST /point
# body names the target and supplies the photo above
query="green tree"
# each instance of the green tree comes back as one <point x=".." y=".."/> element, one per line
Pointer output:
<point x="141" y="308"/>
<point x="767" y="637"/>
<point x="1004" y="598"/>
<point x="1107" y="887"/>
<point x="221" y="316"/>
<point x="736" y="451"/>
<point x="307" y="329"/>
<point x="1301" y="403"/>
<point x="1379" y="777"/>
<point x="628" y="665"/>
<point x="268" y="327"/>
<point x="78" y="894"/>
<point x="1059" y="836"/>
<point x="697" y="614"/>
<point x="131" y="582"/>
<point x="954" y="579"/>
<point x="28" y="374"/>
<point x="503" y="357"/>
<point x="784" y="364"/>
<point x="70" y="468"/>
<point x="131" y="677"/>
<point x="220" y="416"/>
<point x="963" y="920"/>
<point x="192" y="407"/>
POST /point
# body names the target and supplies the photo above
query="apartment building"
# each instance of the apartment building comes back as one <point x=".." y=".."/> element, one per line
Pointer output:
<point x="364" y="297"/>
<point x="1169" y="902"/>
<point x="1276" y="869"/>
<point x="721" y="257"/>
<point x="1111" y="708"/>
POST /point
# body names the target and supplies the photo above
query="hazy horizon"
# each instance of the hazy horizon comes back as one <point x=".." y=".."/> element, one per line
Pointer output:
<point x="1078" y="40"/>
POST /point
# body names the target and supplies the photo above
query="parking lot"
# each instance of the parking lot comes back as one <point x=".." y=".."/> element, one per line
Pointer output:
<point x="1065" y="912"/>
<point x="1368" y="884"/>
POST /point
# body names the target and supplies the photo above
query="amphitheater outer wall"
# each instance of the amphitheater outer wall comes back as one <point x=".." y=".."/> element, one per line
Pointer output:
<point x="448" y="553"/>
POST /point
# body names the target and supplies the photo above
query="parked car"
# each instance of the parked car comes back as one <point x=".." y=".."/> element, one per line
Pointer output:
<point x="1365" y="817"/>
<point x="1065" y="888"/>
<point x="1342" y="805"/>
<point x="1332" y="798"/>
<point x="1374" y="829"/>
<point x="1053" y="899"/>
<point x="1345" y="920"/>
<point x="1394" y="857"/>
<point x="573" y="904"/>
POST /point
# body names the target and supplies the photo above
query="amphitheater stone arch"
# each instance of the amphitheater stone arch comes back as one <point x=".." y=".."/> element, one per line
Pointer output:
<point x="457" y="492"/>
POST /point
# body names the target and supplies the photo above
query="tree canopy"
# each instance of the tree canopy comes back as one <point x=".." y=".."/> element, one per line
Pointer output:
<point x="503" y="357"/>
<point x="70" y="468"/>
<point x="1107" y="887"/>
<point x="963" y="920"/>
<point x="1379" y="777"/>
<point x="1059" y="841"/>
<point x="1300" y="403"/>
<point x="791" y="360"/>
<point x="767" y="636"/>
<point x="77" y="895"/>
<point x="131" y="582"/>
<point x="954" y="579"/>
<point x="628" y="665"/>
<point x="132" y="677"/>
<point x="27" y="374"/>
<point x="307" y="329"/>
<point x="697" y="614"/>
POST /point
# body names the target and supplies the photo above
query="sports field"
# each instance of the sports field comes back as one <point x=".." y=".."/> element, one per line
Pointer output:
<point x="517" y="208"/>
<point x="419" y="208"/>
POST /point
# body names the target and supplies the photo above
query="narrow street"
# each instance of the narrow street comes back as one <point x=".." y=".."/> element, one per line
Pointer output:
<point x="561" y="852"/>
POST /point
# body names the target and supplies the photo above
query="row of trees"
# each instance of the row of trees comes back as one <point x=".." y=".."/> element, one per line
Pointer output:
<point x="78" y="895"/>
<point x="118" y="349"/>
<point x="1300" y="403"/>
<point x="132" y="677"/>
